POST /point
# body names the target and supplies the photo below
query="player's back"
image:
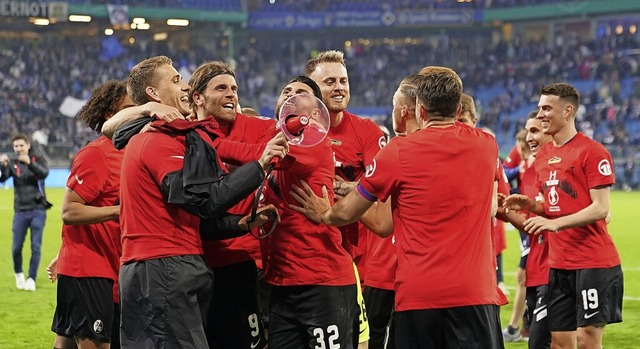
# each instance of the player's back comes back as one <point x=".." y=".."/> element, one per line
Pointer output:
<point x="443" y="224"/>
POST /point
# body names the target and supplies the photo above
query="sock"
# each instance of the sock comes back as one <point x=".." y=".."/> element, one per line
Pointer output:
<point x="512" y="330"/>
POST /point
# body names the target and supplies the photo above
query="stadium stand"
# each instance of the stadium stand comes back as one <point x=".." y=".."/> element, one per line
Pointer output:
<point x="504" y="76"/>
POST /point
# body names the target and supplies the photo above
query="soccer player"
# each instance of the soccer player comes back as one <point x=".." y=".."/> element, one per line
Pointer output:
<point x="87" y="312"/>
<point x="468" y="116"/>
<point x="450" y="240"/>
<point x="574" y="175"/>
<point x="381" y="253"/>
<point x="234" y="319"/>
<point x="537" y="268"/>
<point x="30" y="203"/>
<point x="355" y="141"/>
<point x="165" y="282"/>
<point x="313" y="294"/>
<point x="513" y="332"/>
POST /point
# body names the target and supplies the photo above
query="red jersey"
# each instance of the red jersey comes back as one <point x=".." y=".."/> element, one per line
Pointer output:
<point x="565" y="175"/>
<point x="152" y="228"/>
<point x="220" y="253"/>
<point x="93" y="250"/>
<point x="537" y="261"/>
<point x="440" y="181"/>
<point x="382" y="262"/>
<point x="513" y="159"/>
<point x="355" y="141"/>
<point x="498" y="232"/>
<point x="300" y="252"/>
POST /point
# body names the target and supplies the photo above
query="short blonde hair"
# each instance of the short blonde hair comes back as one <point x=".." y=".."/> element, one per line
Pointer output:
<point x="331" y="56"/>
<point x="468" y="104"/>
<point x="144" y="75"/>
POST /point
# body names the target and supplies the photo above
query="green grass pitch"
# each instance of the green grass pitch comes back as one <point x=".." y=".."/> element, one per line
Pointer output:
<point x="25" y="317"/>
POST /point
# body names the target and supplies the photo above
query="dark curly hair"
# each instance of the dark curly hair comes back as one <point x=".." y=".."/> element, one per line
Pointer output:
<point x="103" y="103"/>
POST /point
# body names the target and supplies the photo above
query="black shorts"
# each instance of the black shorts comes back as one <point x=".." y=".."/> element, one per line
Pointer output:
<point x="84" y="308"/>
<point x="379" y="311"/>
<point x="470" y="327"/>
<point x="164" y="302"/>
<point x="264" y="290"/>
<point x="524" y="249"/>
<point x="115" y="327"/>
<point x="539" y="334"/>
<point x="584" y="297"/>
<point x="235" y="319"/>
<point x="312" y="317"/>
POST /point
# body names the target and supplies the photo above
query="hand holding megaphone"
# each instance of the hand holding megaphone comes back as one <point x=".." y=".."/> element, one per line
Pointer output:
<point x="276" y="149"/>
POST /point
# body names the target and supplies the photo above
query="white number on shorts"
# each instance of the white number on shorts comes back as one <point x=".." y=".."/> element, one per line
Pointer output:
<point x="254" y="324"/>
<point x="333" y="333"/>
<point x="590" y="299"/>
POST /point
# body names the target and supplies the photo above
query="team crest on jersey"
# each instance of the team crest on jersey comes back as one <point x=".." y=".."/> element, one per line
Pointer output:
<point x="382" y="141"/>
<point x="336" y="142"/>
<point x="98" y="326"/>
<point x="554" y="160"/>
<point x="604" y="167"/>
<point x="371" y="169"/>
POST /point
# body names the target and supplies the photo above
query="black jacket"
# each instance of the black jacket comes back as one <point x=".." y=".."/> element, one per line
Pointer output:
<point x="28" y="183"/>
<point x="203" y="188"/>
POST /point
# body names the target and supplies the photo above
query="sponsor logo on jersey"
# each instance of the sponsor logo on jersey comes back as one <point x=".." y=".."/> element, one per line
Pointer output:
<point x="553" y="178"/>
<point x="554" y="160"/>
<point x="336" y="142"/>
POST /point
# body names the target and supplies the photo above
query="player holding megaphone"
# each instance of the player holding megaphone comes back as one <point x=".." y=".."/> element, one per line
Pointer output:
<point x="305" y="262"/>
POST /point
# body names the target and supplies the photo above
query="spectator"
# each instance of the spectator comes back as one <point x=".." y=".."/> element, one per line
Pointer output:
<point x="30" y="202"/>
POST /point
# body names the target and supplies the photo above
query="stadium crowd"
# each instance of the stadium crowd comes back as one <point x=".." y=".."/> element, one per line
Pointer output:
<point x="503" y="77"/>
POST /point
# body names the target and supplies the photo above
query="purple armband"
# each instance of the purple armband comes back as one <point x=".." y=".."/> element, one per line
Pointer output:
<point x="365" y="194"/>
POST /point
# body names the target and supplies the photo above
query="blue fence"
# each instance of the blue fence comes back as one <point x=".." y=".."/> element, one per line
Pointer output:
<point x="57" y="178"/>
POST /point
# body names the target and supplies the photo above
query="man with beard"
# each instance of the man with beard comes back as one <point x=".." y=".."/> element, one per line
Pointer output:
<point x="355" y="141"/>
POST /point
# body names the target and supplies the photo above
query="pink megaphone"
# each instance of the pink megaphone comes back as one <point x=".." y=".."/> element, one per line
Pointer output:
<point x="304" y="120"/>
